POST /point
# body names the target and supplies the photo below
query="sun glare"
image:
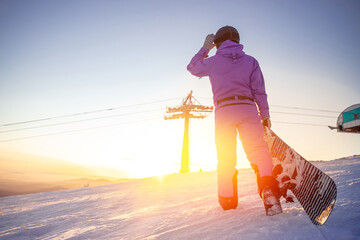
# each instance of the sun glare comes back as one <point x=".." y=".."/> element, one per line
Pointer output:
<point x="135" y="151"/>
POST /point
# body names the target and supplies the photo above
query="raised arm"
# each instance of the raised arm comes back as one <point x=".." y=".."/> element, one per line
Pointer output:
<point x="198" y="65"/>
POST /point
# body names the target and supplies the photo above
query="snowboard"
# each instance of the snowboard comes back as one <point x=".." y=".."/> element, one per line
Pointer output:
<point x="315" y="190"/>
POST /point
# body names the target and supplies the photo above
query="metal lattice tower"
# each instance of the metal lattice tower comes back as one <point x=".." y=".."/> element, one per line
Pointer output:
<point x="188" y="108"/>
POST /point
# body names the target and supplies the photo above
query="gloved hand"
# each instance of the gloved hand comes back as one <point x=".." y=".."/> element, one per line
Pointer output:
<point x="209" y="42"/>
<point x="266" y="122"/>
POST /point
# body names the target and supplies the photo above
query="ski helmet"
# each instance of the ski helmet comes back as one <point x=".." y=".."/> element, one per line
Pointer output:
<point x="227" y="33"/>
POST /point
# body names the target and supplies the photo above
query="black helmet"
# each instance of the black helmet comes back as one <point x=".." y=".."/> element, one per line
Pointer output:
<point x="227" y="33"/>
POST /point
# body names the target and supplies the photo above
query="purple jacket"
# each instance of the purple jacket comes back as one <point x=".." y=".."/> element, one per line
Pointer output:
<point x="232" y="73"/>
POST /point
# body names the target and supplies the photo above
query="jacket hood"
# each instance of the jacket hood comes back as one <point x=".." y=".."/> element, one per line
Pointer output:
<point x="230" y="49"/>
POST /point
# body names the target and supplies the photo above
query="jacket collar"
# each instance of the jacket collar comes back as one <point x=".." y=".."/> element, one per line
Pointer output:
<point x="231" y="49"/>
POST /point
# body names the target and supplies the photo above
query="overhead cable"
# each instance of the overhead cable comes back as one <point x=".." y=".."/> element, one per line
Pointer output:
<point x="306" y="109"/>
<point x="297" y="123"/>
<point x="82" y="120"/>
<point x="297" y="108"/>
<point x="85" y="113"/>
<point x="77" y="130"/>
<point x="303" y="114"/>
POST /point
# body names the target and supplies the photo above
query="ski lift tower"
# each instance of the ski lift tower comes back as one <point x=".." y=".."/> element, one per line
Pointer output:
<point x="188" y="108"/>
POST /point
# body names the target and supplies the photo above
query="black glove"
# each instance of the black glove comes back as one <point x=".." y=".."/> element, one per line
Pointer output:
<point x="266" y="122"/>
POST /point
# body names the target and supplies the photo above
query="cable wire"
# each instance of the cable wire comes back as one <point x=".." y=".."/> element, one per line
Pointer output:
<point x="297" y="123"/>
<point x="130" y="122"/>
<point x="82" y="120"/>
<point x="77" y="130"/>
<point x="131" y="113"/>
<point x="290" y="107"/>
<point x="85" y="113"/>
<point x="307" y="109"/>
<point x="303" y="114"/>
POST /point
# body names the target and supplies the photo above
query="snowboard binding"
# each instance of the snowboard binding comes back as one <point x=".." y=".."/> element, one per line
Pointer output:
<point x="285" y="183"/>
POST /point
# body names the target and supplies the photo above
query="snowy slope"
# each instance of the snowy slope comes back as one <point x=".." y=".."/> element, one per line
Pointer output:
<point x="177" y="207"/>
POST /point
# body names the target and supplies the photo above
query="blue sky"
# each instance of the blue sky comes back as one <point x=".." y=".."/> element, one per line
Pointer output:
<point x="64" y="57"/>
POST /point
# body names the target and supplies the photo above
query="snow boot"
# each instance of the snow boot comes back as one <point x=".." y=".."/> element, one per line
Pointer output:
<point x="269" y="192"/>
<point x="230" y="202"/>
<point x="271" y="202"/>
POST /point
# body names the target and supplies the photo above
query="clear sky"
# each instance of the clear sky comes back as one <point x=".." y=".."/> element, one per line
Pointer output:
<point x="65" y="57"/>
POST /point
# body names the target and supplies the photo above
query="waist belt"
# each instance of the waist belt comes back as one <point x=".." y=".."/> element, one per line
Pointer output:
<point x="234" y="98"/>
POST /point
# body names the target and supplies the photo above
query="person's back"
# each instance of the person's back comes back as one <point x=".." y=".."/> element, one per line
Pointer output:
<point x="238" y="89"/>
<point x="232" y="73"/>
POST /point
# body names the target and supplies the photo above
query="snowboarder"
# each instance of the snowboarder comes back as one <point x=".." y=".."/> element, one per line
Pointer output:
<point x="240" y="107"/>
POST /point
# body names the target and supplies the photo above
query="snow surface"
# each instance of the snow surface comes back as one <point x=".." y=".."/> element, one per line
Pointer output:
<point x="178" y="206"/>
